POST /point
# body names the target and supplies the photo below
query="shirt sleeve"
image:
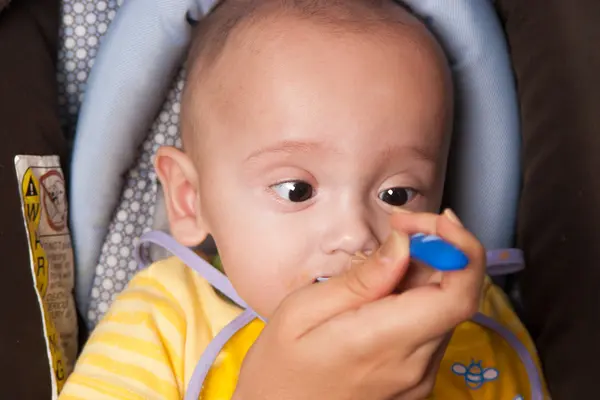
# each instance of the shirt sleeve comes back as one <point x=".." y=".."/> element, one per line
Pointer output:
<point x="138" y="350"/>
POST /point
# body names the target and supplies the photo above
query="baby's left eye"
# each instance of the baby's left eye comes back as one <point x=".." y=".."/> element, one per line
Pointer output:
<point x="294" y="191"/>
<point x="397" y="196"/>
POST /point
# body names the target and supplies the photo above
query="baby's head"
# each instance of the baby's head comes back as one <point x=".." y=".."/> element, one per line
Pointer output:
<point x="304" y="123"/>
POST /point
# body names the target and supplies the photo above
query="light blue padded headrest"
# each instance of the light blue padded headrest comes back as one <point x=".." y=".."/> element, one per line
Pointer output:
<point x="145" y="46"/>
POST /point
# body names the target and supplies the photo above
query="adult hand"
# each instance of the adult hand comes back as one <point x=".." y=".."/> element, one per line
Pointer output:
<point x="355" y="337"/>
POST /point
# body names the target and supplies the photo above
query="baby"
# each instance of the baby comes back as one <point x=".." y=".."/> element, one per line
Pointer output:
<point x="314" y="130"/>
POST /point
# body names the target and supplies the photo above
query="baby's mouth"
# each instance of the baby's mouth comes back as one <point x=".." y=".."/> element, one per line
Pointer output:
<point x="359" y="257"/>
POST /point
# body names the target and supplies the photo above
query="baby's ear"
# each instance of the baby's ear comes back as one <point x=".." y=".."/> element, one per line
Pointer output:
<point x="179" y="181"/>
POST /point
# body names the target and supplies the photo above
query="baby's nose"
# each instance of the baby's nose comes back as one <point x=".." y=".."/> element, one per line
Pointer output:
<point x="350" y="234"/>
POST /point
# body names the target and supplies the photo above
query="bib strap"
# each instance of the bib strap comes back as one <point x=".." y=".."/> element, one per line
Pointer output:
<point x="192" y="260"/>
<point x="535" y="381"/>
<point x="504" y="261"/>
<point x="212" y="351"/>
<point x="499" y="262"/>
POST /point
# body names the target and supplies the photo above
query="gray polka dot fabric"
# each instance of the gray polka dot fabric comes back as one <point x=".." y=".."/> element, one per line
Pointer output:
<point x="135" y="212"/>
<point x="83" y="25"/>
<point x="84" y="22"/>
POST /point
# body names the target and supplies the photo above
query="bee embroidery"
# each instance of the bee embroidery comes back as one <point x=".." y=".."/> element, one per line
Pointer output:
<point x="475" y="375"/>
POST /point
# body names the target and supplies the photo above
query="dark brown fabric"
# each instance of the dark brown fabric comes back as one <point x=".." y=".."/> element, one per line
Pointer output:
<point x="3" y="4"/>
<point x="556" y="55"/>
<point x="28" y="125"/>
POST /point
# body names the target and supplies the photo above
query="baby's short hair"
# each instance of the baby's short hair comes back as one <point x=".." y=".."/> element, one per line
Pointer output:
<point x="211" y="34"/>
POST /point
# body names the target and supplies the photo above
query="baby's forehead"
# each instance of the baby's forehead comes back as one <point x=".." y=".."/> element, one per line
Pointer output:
<point x="269" y="37"/>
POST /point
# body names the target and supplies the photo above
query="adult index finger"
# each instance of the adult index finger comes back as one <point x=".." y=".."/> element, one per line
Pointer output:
<point x="467" y="282"/>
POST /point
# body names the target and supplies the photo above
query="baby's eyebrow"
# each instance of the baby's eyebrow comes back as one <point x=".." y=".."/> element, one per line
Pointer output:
<point x="420" y="152"/>
<point x="289" y="147"/>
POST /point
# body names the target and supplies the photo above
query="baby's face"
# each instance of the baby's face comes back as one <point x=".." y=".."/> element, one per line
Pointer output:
<point x="309" y="138"/>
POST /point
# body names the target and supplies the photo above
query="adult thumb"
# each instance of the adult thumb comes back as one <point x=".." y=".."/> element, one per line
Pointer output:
<point x="365" y="282"/>
<point x="381" y="273"/>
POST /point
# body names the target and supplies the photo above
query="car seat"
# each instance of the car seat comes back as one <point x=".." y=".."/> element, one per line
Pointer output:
<point x="124" y="117"/>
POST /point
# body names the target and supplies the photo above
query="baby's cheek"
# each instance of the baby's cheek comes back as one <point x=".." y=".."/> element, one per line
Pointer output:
<point x="262" y="290"/>
<point x="271" y="295"/>
<point x="297" y="281"/>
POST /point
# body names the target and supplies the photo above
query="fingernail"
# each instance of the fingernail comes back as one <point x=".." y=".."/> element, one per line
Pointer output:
<point x="452" y="217"/>
<point x="394" y="248"/>
<point x="400" y="210"/>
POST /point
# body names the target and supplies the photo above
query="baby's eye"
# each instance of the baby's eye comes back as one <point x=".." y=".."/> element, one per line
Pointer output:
<point x="294" y="191"/>
<point x="397" y="196"/>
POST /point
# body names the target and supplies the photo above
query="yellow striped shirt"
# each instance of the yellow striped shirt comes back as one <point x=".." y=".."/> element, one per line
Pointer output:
<point x="148" y="344"/>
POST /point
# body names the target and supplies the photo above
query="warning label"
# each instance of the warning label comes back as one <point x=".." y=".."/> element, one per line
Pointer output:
<point x="54" y="198"/>
<point x="32" y="219"/>
<point x="44" y="200"/>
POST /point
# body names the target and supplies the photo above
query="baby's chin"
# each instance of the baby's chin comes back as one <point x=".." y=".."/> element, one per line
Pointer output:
<point x="265" y="302"/>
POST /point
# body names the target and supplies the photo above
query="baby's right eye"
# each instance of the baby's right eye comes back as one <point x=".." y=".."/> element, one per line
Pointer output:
<point x="294" y="191"/>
